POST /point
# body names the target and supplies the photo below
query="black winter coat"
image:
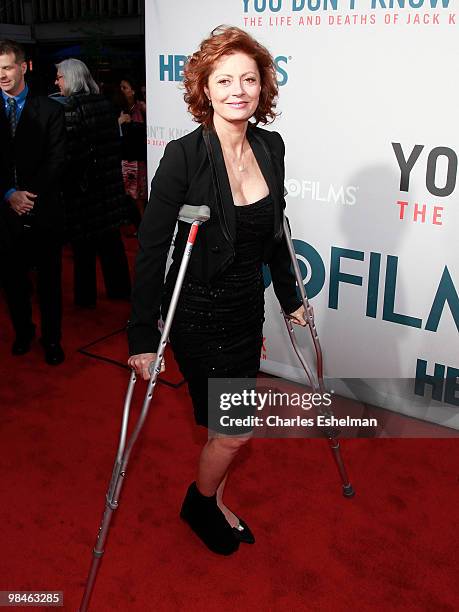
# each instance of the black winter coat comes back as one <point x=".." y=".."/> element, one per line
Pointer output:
<point x="94" y="196"/>
<point x="184" y="176"/>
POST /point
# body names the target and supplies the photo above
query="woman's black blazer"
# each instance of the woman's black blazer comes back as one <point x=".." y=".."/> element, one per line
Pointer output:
<point x="185" y="176"/>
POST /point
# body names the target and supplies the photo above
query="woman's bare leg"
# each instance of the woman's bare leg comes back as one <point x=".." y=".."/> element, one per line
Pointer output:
<point x="216" y="457"/>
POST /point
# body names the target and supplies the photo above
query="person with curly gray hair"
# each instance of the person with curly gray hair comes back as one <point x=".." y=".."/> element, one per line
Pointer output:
<point x="95" y="204"/>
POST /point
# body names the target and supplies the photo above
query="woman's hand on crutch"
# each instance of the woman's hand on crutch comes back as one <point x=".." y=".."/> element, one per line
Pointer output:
<point x="299" y="316"/>
<point x="141" y="364"/>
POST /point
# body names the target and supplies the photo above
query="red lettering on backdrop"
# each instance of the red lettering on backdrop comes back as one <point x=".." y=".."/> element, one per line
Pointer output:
<point x="402" y="208"/>
<point x="419" y="212"/>
<point x="436" y="219"/>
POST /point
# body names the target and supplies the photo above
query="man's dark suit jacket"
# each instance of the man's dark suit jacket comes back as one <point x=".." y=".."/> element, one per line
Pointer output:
<point x="184" y="176"/>
<point x="38" y="151"/>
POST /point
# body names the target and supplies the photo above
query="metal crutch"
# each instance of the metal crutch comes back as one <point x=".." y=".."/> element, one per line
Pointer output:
<point x="196" y="215"/>
<point x="317" y="383"/>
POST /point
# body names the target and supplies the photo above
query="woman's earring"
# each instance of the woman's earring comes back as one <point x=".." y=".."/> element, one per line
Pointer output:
<point x="210" y="102"/>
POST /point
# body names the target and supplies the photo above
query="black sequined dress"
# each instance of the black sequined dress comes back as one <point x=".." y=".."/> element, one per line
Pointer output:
<point x="218" y="328"/>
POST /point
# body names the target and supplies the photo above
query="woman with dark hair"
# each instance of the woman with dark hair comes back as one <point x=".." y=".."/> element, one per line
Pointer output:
<point x="238" y="169"/>
<point x="95" y="204"/>
<point x="132" y="121"/>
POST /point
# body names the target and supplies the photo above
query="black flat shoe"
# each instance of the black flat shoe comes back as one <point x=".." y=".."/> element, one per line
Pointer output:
<point x="208" y="522"/>
<point x="54" y="355"/>
<point x="22" y="344"/>
<point x="243" y="534"/>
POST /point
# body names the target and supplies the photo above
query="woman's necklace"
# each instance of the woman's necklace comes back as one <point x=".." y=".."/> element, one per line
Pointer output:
<point x="239" y="163"/>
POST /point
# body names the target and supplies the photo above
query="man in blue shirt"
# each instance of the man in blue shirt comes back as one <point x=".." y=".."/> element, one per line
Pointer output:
<point x="32" y="158"/>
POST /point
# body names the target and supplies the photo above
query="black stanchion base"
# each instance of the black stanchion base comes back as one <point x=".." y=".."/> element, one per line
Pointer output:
<point x="84" y="351"/>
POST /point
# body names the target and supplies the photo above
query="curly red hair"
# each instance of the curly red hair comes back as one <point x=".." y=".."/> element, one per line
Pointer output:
<point x="226" y="40"/>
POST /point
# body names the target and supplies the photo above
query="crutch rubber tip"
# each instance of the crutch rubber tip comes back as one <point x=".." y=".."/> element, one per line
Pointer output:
<point x="348" y="490"/>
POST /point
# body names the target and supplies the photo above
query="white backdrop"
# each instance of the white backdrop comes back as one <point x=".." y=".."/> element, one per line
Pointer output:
<point x="361" y="84"/>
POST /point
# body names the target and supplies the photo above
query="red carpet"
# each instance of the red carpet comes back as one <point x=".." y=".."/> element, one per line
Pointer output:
<point x="393" y="547"/>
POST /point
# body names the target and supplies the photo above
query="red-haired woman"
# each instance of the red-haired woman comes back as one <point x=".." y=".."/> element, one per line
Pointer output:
<point x="238" y="170"/>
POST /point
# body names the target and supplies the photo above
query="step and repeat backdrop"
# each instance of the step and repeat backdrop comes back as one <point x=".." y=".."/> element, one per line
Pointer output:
<point x="368" y="94"/>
